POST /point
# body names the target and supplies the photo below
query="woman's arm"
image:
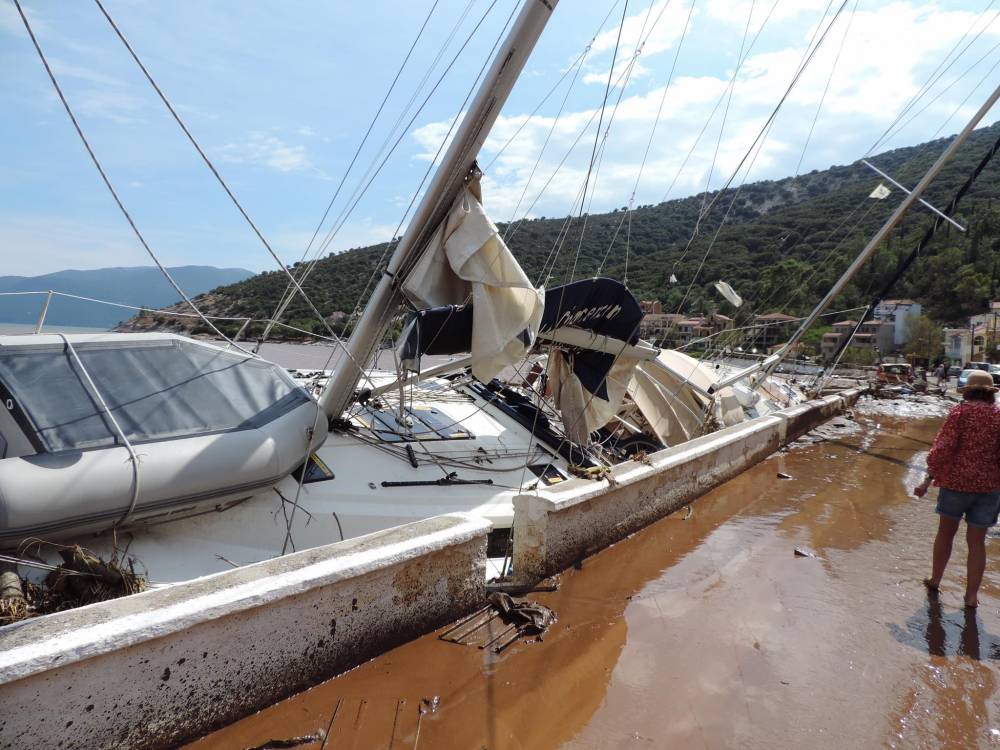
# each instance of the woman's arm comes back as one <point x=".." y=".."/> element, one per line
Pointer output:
<point x="945" y="445"/>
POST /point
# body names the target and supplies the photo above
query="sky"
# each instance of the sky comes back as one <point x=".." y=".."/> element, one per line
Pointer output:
<point x="281" y="94"/>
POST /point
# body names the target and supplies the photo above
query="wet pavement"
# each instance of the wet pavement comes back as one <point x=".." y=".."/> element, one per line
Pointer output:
<point x="708" y="631"/>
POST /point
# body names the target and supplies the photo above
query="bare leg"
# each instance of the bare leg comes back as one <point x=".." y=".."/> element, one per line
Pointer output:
<point x="976" y="539"/>
<point x="947" y="527"/>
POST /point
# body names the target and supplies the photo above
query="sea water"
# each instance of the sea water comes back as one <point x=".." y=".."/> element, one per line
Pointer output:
<point x="15" y="328"/>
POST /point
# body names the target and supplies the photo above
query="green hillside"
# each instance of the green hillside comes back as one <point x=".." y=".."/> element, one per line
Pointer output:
<point x="781" y="246"/>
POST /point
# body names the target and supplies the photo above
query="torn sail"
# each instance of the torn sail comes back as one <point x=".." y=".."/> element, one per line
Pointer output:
<point x="468" y="264"/>
<point x="588" y="384"/>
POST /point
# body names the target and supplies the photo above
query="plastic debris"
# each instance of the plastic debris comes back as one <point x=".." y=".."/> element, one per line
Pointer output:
<point x="307" y="739"/>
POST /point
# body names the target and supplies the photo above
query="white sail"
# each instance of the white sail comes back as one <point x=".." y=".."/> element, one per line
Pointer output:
<point x="468" y="261"/>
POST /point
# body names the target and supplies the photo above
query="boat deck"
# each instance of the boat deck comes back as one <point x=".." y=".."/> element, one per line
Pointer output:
<point x="710" y="631"/>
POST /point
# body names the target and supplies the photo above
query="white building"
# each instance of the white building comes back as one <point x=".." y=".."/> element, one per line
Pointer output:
<point x="958" y="345"/>
<point x="898" y="312"/>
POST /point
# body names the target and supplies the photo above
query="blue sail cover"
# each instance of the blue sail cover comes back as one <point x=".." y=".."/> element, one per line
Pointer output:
<point x="602" y="306"/>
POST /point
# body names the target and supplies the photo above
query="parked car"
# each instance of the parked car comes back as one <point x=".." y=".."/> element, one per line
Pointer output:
<point x="992" y="369"/>
<point x="894" y="373"/>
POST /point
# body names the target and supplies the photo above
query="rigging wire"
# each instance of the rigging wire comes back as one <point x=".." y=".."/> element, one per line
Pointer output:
<point x="826" y="88"/>
<point x="215" y="172"/>
<point x="968" y="96"/>
<point x="377" y="270"/>
<point x="947" y="89"/>
<point x="597" y="133"/>
<point x="359" y="193"/>
<point x="645" y="155"/>
<point x="718" y="103"/>
<point x="289" y="290"/>
<point x="361" y="189"/>
<point x="759" y="140"/>
<point x="110" y="187"/>
<point x="403" y="271"/>
<point x="936" y="74"/>
<point x="548" y="267"/>
<point x="729" y="101"/>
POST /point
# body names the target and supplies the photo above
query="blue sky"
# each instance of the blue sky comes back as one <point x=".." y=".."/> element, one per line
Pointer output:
<point x="280" y="95"/>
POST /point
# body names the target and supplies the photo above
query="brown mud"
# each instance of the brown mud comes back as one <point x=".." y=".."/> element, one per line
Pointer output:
<point x="709" y="631"/>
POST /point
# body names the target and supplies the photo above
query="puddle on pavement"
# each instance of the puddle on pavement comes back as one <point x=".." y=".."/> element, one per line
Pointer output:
<point x="711" y="632"/>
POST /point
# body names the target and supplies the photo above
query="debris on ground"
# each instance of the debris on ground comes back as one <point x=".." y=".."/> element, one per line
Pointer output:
<point x="513" y="619"/>
<point x="805" y="552"/>
<point x="307" y="739"/>
<point x="783" y="475"/>
<point x="429" y="705"/>
<point x="926" y="405"/>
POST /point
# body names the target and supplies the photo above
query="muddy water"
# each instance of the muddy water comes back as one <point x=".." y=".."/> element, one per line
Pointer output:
<point x="708" y="631"/>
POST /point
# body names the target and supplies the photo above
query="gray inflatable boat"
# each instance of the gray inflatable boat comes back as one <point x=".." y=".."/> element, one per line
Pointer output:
<point x="99" y="429"/>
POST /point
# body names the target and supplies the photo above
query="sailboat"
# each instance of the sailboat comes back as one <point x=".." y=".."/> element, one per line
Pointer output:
<point x="198" y="458"/>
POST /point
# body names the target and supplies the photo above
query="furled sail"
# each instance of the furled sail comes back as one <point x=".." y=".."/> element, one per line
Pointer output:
<point x="469" y="263"/>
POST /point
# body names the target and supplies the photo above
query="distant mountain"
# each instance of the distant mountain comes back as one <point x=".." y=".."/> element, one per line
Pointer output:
<point x="781" y="245"/>
<point x="140" y="286"/>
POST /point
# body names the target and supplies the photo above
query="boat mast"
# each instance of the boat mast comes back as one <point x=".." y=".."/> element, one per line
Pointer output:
<point x="458" y="161"/>
<point x="768" y="366"/>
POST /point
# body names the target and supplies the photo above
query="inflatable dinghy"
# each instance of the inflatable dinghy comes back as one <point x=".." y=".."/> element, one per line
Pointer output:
<point x="100" y="429"/>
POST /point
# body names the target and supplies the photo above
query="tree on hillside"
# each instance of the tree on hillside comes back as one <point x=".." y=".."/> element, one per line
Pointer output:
<point x="925" y="337"/>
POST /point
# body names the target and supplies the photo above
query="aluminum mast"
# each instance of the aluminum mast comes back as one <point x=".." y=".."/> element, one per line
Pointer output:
<point x="448" y="180"/>
<point x="768" y="366"/>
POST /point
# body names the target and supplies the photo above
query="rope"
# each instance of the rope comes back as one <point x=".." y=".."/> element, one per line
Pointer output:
<point x="107" y="181"/>
<point x="121" y="433"/>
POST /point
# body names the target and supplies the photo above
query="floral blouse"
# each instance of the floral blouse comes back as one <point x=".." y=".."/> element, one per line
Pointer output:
<point x="965" y="456"/>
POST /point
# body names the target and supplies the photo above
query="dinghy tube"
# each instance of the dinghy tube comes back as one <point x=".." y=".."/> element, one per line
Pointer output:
<point x="209" y="426"/>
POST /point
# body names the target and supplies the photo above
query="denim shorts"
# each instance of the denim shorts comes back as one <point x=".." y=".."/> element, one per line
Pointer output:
<point x="979" y="508"/>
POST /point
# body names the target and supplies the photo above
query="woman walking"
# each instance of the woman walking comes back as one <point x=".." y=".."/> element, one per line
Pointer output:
<point x="965" y="463"/>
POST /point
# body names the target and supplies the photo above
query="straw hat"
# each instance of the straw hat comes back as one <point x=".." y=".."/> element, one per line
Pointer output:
<point x="979" y="381"/>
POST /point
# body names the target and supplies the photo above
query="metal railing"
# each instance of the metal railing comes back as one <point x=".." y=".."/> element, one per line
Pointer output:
<point x="245" y="321"/>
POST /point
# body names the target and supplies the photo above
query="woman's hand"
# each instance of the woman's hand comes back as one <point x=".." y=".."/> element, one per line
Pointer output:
<point x="921" y="489"/>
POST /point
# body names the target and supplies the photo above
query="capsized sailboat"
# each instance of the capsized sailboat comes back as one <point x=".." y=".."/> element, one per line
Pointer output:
<point x="243" y="464"/>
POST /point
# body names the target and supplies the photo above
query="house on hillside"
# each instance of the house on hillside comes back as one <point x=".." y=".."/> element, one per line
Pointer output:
<point x="659" y="327"/>
<point x="701" y="327"/>
<point x="877" y="335"/>
<point x="898" y="312"/>
<point x="770" y="329"/>
<point x="651" y="307"/>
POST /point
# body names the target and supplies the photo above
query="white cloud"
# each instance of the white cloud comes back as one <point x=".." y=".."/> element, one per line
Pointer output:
<point x="63" y="69"/>
<point x="11" y="23"/>
<point x="264" y="150"/>
<point x="889" y="52"/>
<point x="290" y="244"/>
<point x="657" y="28"/>
<point x="118" y="106"/>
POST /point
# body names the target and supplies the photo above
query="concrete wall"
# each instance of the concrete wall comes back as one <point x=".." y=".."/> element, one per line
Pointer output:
<point x="158" y="668"/>
<point x="556" y="526"/>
